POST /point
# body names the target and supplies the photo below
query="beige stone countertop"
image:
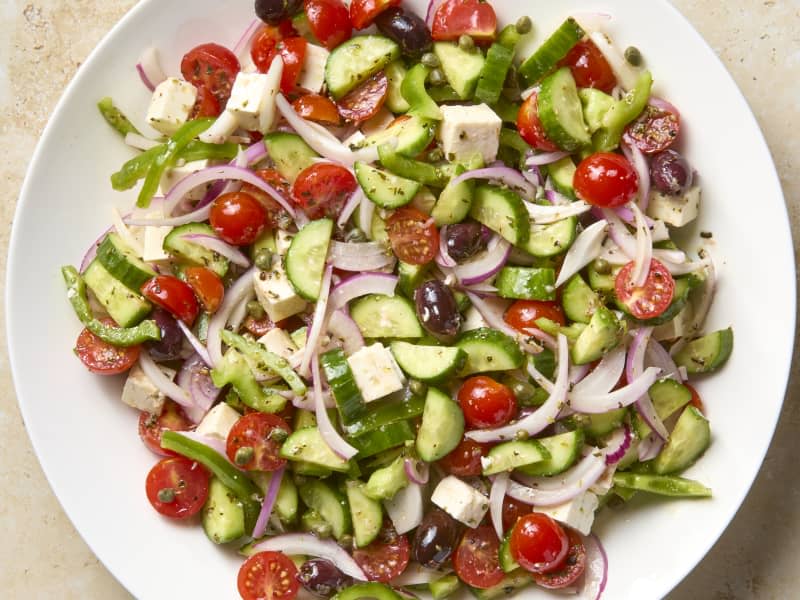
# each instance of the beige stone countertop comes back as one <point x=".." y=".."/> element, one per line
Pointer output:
<point x="42" y="43"/>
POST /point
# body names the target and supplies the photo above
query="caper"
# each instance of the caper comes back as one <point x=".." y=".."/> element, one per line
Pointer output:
<point x="521" y="435"/>
<point x="523" y="25"/>
<point x="602" y="266"/>
<point x="355" y="235"/>
<point x="436" y="154"/>
<point x="523" y="390"/>
<point x="278" y="434"/>
<point x="255" y="310"/>
<point x="244" y="455"/>
<point x="429" y="59"/>
<point x="633" y="56"/>
<point x="263" y="258"/>
<point x="417" y="387"/>
<point x="436" y="77"/>
<point x="166" y="495"/>
<point x="466" y="42"/>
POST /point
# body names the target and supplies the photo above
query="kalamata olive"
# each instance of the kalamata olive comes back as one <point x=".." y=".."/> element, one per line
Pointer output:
<point x="670" y="172"/>
<point x="407" y="29"/>
<point x="322" y="578"/>
<point x="437" y="308"/>
<point x="464" y="240"/>
<point x="436" y="538"/>
<point x="171" y="343"/>
<point x="274" y="11"/>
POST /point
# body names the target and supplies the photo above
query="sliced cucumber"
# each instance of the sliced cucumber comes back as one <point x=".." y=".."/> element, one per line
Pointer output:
<point x="379" y="316"/>
<point x="290" y="153"/>
<point x="383" y="438"/>
<point x="511" y="455"/>
<point x="385" y="482"/>
<point x="708" y="353"/>
<point x="442" y="426"/>
<point x="668" y="397"/>
<point x="663" y="485"/>
<point x="313" y="522"/>
<point x="428" y="363"/>
<point x="176" y="244"/>
<point x="343" y="386"/>
<point x="444" y="587"/>
<point x="385" y="413"/>
<point x="507" y="562"/>
<point x="395" y="73"/>
<point x="602" y="282"/>
<point x="565" y="450"/>
<point x="489" y="350"/>
<point x="554" y="48"/>
<point x="689" y="439"/>
<point x="579" y="300"/>
<point x="307" y="445"/>
<point x="123" y="264"/>
<point x="462" y="68"/>
<point x="455" y="201"/>
<point x="499" y="58"/>
<point x="356" y="60"/>
<point x="596" y="105"/>
<point x="603" y="333"/>
<point x="305" y="259"/>
<point x="126" y="307"/>
<point x="329" y="503"/>
<point x="385" y="189"/>
<point x="223" y="514"/>
<point x="512" y="582"/>
<point x="561" y="113"/>
<point x="552" y="239"/>
<point x="598" y="425"/>
<point x="423" y="172"/>
<point x="562" y="173"/>
<point x="410" y="136"/>
<point x="526" y="283"/>
<point x="503" y="211"/>
<point x="286" y="502"/>
<point x="366" y="513"/>
<point x="411" y="277"/>
<point x="365" y="591"/>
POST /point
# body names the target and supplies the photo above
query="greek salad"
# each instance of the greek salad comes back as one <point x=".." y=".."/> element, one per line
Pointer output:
<point x="400" y="305"/>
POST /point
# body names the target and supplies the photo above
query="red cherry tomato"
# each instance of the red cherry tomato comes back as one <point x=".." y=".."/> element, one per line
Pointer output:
<point x="696" y="401"/>
<point x="571" y="569"/>
<point x="268" y="576"/>
<point x="654" y="130"/>
<point x="589" y="67"/>
<point x="512" y="511"/>
<point x="207" y="286"/>
<point x="323" y="189"/>
<point x="151" y="427"/>
<point x="413" y="236"/>
<point x="465" y="459"/>
<point x="264" y="433"/>
<point x="530" y="127"/>
<point x="606" y="179"/>
<point x="486" y="403"/>
<point x="329" y="21"/>
<point x="366" y="100"/>
<point x="455" y="18"/>
<point x="174" y="296"/>
<point x="538" y="543"/>
<point x="385" y="558"/>
<point x="476" y="559"/>
<point x="276" y="215"/>
<point x="293" y="52"/>
<point x="206" y="105"/>
<point x="317" y="108"/>
<point x="177" y="487"/>
<point x="262" y="50"/>
<point x="649" y="300"/>
<point x="522" y="315"/>
<point x="238" y="218"/>
<point x="213" y="67"/>
<point x="103" y="358"/>
<point x="363" y="12"/>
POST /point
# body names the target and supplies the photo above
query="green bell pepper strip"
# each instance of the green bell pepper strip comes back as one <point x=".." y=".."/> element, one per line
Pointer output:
<point x="362" y="591"/>
<point x="499" y="59"/>
<point x="413" y="90"/>
<point x="425" y="173"/>
<point x="270" y="360"/>
<point x="511" y="139"/>
<point x="245" y="490"/>
<point x="622" y="113"/>
<point x="115" y="118"/>
<point x="663" y="485"/>
<point x="508" y="111"/>
<point x="169" y="157"/>
<point x="235" y="370"/>
<point x="116" y="336"/>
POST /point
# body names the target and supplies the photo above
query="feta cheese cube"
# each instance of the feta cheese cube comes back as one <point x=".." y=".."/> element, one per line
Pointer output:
<point x="219" y="421"/>
<point x="675" y="210"/>
<point x="276" y="293"/>
<point x="460" y="500"/>
<point x="312" y="75"/>
<point x="278" y="342"/>
<point x="141" y="393"/>
<point x="171" y="104"/>
<point x="473" y="319"/>
<point x="172" y="176"/>
<point x="252" y="99"/>
<point x="578" y="513"/>
<point x="154" y="240"/>
<point x="376" y="372"/>
<point x="470" y="130"/>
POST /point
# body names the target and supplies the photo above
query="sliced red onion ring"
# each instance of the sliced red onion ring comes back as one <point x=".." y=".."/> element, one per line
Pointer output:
<point x="506" y="175"/>
<point x="406" y="508"/>
<point x="91" y="251"/>
<point x="366" y="211"/>
<point x="118" y="221"/>
<point x="496" y="496"/>
<point x="619" y="233"/>
<point x="544" y="416"/>
<point x="625" y="73"/>
<point x="196" y="216"/>
<point x="268" y="503"/>
<point x="416" y="574"/>
<point x="168" y="387"/>
<point x="220" y="130"/>
<point x="138" y="141"/>
<point x="149" y="69"/>
<point x="198" y="346"/>
<point x="433" y="6"/>
<point x="443" y="257"/>
<point x="618" y="444"/>
<point x="545" y="158"/>
<point x="662" y="104"/>
<point x="309" y="545"/>
<point x="233" y="297"/>
<point x="584" y="250"/>
<point x="486" y="264"/>
<point x="349" y="208"/>
<point x="592" y="21"/>
<point x="255" y="153"/>
<point x="417" y="471"/>
<point x="644" y="248"/>
<point x="244" y="42"/>
<point x="219" y="246"/>
<point x="657" y="356"/>
<point x="318" y="322"/>
<point x="552" y="491"/>
<point x="362" y="285"/>
<point x="545" y="338"/>
<point x="335" y="442"/>
<point x="639" y="162"/>
<point x="194" y="377"/>
<point x="482" y="289"/>
<point x="340" y="325"/>
<point x="542" y="215"/>
<point x="634" y="365"/>
<point x="595" y="575"/>
<point x="577" y="373"/>
<point x="493" y="315"/>
<point x="533" y="175"/>
<point x="318" y="138"/>
<point x="605" y="376"/>
<point x="360" y="257"/>
<point x="557" y="198"/>
<point x="592" y="403"/>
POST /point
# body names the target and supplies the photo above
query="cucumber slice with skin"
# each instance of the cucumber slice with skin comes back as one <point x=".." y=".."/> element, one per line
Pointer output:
<point x="565" y="450"/>
<point x="668" y="397"/>
<point x="562" y="173"/>
<point x="489" y="350"/>
<point x="423" y="172"/>
<point x="382" y="438"/>
<point x="365" y="591"/>
<point x="343" y="386"/>
<point x="385" y="482"/>
<point x="707" y="353"/>
<point x="499" y="58"/>
<point x="554" y="48"/>
<point x="552" y="239"/>
<point x="663" y="485"/>
<point x="579" y="300"/>
<point x="330" y="504"/>
<point x="379" y="316"/>
<point x="366" y="513"/>
<point x="512" y="582"/>
<point x="223" y="514"/>
<point x="602" y="334"/>
<point x="455" y="201"/>
<point x="599" y="425"/>
<point x="511" y="455"/>
<point x="290" y="153"/>
<point x="305" y="259"/>
<point x="307" y="445"/>
<point x="561" y="112"/>
<point x="502" y="211"/>
<point x="690" y="438"/>
<point x="411" y="277"/>
<point x="408" y="136"/>
<point x="388" y="412"/>
<point x="385" y="189"/>
<point x="462" y="68"/>
<point x="123" y="264"/>
<point x="524" y="283"/>
<point x="444" y="587"/>
<point x="356" y="60"/>
<point x="507" y="562"/>
<point x="428" y="363"/>
<point x="442" y="426"/>
<point x="395" y="73"/>
<point x="176" y="244"/>
<point x="125" y="306"/>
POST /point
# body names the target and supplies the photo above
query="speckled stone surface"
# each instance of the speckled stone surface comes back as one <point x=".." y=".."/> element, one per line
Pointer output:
<point x="43" y="42"/>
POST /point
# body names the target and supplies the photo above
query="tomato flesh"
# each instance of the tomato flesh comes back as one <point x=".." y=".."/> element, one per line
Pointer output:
<point x="322" y="190"/>
<point x="317" y="108"/>
<point x="263" y="433"/>
<point x="366" y="100"/>
<point x="276" y="215"/>
<point x="413" y="236"/>
<point x="531" y="128"/>
<point x="538" y="543"/>
<point x="465" y="459"/>
<point x="177" y="487"/>
<point x="476" y="560"/>
<point x="486" y="403"/>
<point x="654" y="130"/>
<point x="152" y="427"/>
<point x="696" y="400"/>
<point x="589" y="67"/>
<point x="329" y="21"/>
<point x="268" y="576"/>
<point x="174" y="296"/>
<point x="455" y="18"/>
<point x="606" y="179"/>
<point x="363" y="12"/>
<point x="207" y="286"/>
<point x="206" y="105"/>
<point x="570" y="570"/>
<point x="651" y="299"/>
<point x="213" y="67"/>
<point x="522" y="315"/>
<point x="293" y="52"/>
<point x="385" y="558"/>
<point x="238" y="218"/>
<point x="103" y="358"/>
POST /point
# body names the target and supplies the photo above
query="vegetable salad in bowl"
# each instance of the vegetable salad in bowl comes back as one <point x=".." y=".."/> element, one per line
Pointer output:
<point x="399" y="304"/>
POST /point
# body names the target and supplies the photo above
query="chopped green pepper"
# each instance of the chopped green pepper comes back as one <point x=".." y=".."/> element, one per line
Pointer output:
<point x="271" y="361"/>
<point x="235" y="370"/>
<point x="362" y="591"/>
<point x="663" y="485"/>
<point x="115" y="118"/>
<point x="621" y="113"/>
<point x="413" y="90"/>
<point x="425" y="173"/>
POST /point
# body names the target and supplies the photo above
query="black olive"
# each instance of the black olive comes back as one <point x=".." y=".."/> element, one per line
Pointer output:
<point x="171" y="343"/>
<point x="275" y="11"/>
<point x="464" y="240"/>
<point x="670" y="172"/>
<point x="437" y="309"/>
<point x="407" y="29"/>
<point x="322" y="578"/>
<point x="435" y="539"/>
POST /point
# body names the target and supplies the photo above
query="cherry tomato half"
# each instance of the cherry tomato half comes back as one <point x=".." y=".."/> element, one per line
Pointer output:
<point x="323" y="189"/>
<point x="268" y="576"/>
<point x="538" y="543"/>
<point x="238" y="218"/>
<point x="522" y="315"/>
<point x="476" y="560"/>
<point x="329" y="21"/>
<point x="455" y="18"/>
<point x="293" y="52"/>
<point x="206" y="105"/>
<point x="263" y="433"/>
<point x="366" y="100"/>
<point x="317" y="108"/>
<point x="606" y="179"/>
<point x="385" y="558"/>
<point x="277" y="217"/>
<point x="207" y="286"/>
<point x="572" y="567"/>
<point x="151" y="427"/>
<point x="173" y="295"/>
<point x="696" y="400"/>
<point x="103" y="358"/>
<point x="589" y="67"/>
<point x="652" y="298"/>
<point x="486" y="403"/>
<point x="213" y="67"/>
<point x="530" y="127"/>
<point x="177" y="487"/>
<point x="262" y="50"/>
<point x="413" y="236"/>
<point x="363" y="12"/>
<point x="654" y="130"/>
<point x="465" y="459"/>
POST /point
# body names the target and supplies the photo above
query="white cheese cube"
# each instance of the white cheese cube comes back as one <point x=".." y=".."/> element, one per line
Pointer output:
<point x="154" y="240"/>
<point x="172" y="176"/>
<point x="141" y="393"/>
<point x="473" y="319"/>
<point x="578" y="513"/>
<point x="461" y="501"/>
<point x="470" y="130"/>
<point x="278" y="342"/>
<point x="252" y="99"/>
<point x="675" y="210"/>
<point x="171" y="104"/>
<point x="219" y="421"/>
<point x="276" y="293"/>
<point x="376" y="372"/>
<point x="312" y="75"/>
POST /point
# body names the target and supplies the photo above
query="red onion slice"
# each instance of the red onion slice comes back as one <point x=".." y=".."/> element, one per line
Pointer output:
<point x="366" y="211"/>
<point x="194" y="376"/>
<point x="543" y="215"/>
<point x="649" y="447"/>
<point x="485" y="265"/>
<point x="605" y="376"/>
<point x="618" y="444"/>
<point x="168" y="387"/>
<point x="233" y="297"/>
<point x="533" y="175"/>
<point x="657" y="356"/>
<point x="433" y="6"/>
<point x="595" y="575"/>
<point x="443" y="257"/>
<point x="219" y="246"/>
<point x="138" y="141"/>
<point x="269" y="502"/>
<point x="592" y="21"/>
<point x="639" y="163"/>
<point x="149" y="69"/>
<point x="493" y="315"/>
<point x="619" y="233"/>
<point x="91" y="251"/>
<point x="360" y="257"/>
<point x="309" y="545"/>
<point x="220" y="130"/>
<point x="320" y="140"/>
<point x="577" y="373"/>
<point x="406" y="508"/>
<point x="335" y="442"/>
<point x="497" y="494"/>
<point x="592" y="403"/>
<point x="196" y="216"/>
<point x="644" y="248"/>
<point x="416" y="574"/>
<point x="341" y="326"/>
<point x="349" y="208"/>
<point x="218" y="445"/>
<point x="362" y="285"/>
<point x="317" y="323"/>
<point x="545" y="158"/>
<point x="417" y="471"/>
<point x="584" y="250"/>
<point x="198" y="346"/>
<point x="506" y="175"/>
<point x="552" y="491"/>
<point x="626" y="75"/>
<point x="634" y="365"/>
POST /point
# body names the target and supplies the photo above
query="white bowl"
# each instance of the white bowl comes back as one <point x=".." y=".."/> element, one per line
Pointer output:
<point x="87" y="441"/>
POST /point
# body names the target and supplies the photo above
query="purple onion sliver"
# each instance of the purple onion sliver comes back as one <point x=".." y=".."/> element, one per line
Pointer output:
<point x="143" y="76"/>
<point x="545" y="158"/>
<point x="219" y="246"/>
<point x="198" y="346"/>
<point x="662" y="104"/>
<point x="417" y="471"/>
<point x="268" y="503"/>
<point x="618" y="445"/>
<point x="244" y="40"/>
